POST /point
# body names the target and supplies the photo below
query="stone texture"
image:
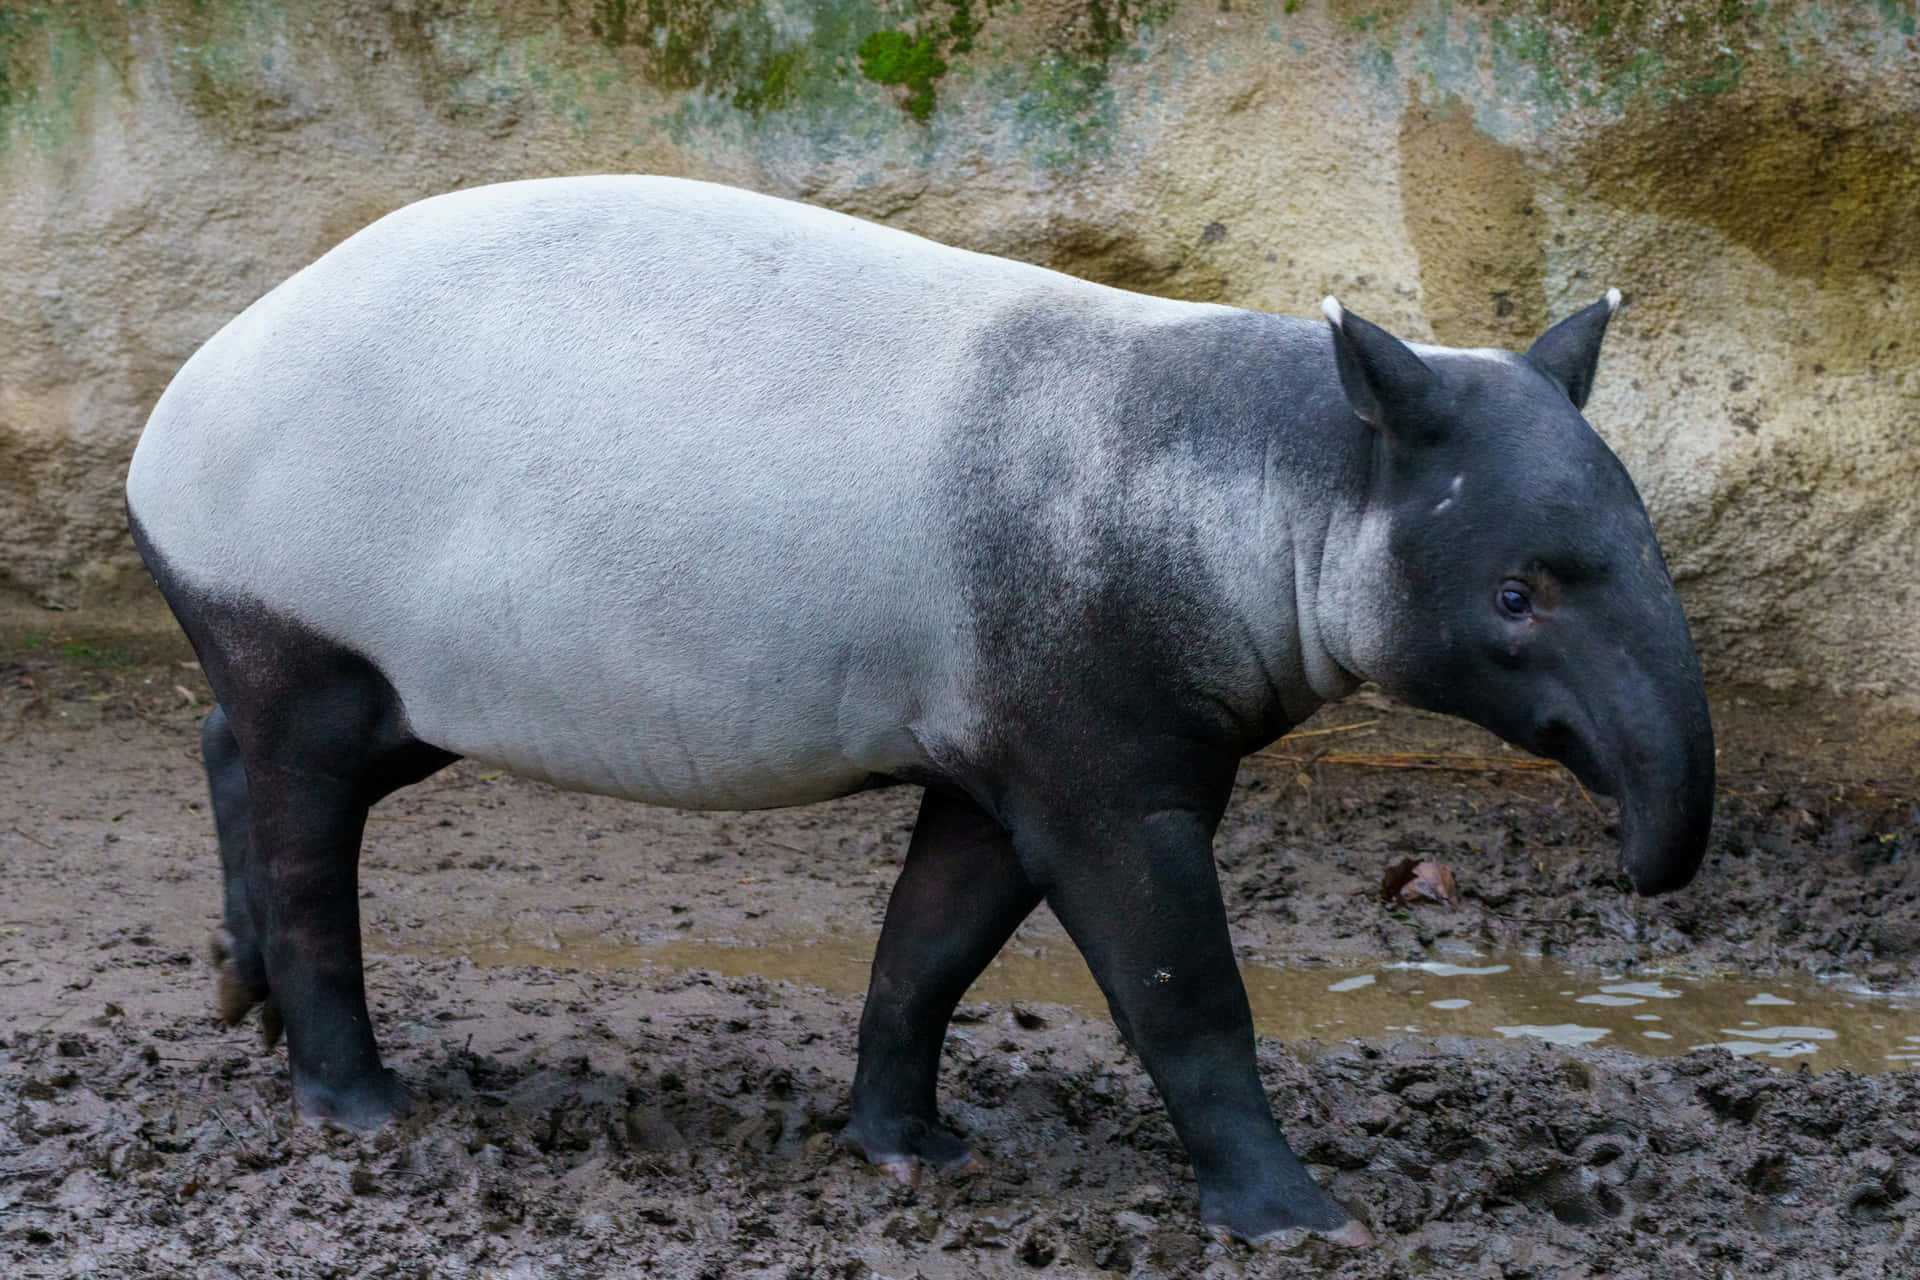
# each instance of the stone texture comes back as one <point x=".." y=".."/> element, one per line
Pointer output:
<point x="1463" y="172"/>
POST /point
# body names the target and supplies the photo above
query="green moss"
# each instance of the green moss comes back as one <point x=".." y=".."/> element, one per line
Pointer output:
<point x="964" y="25"/>
<point x="1059" y="82"/>
<point x="689" y="43"/>
<point x="745" y="52"/>
<point x="896" y="58"/>
<point x="1526" y="55"/>
<point x="1898" y="14"/>
<point x="1549" y="57"/>
<point x="51" y="60"/>
<point x="82" y="652"/>
<point x="777" y="78"/>
<point x="1609" y="15"/>
<point x="1062" y="104"/>
<point x="728" y="48"/>
<point x="221" y="53"/>
<point x="1108" y="22"/>
<point x="14" y="24"/>
<point x="1725" y="75"/>
<point x="914" y="59"/>
<point x="1640" y="76"/>
<point x="1064" y="110"/>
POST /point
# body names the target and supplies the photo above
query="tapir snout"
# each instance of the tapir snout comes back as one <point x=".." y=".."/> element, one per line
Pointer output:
<point x="1655" y="758"/>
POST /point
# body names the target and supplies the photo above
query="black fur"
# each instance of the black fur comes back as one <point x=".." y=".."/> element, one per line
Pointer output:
<point x="959" y="898"/>
<point x="1569" y="353"/>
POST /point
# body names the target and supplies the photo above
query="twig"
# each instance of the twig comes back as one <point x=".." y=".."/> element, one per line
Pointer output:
<point x="238" y="1141"/>
<point x="1513" y="915"/>
<point x="28" y="835"/>
<point x="1270" y="753"/>
<point x="459" y="785"/>
<point x="1419" y="760"/>
<point x="1341" y="728"/>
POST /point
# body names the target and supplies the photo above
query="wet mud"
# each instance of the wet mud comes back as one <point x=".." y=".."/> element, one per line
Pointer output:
<point x="632" y="1031"/>
<point x="1500" y="996"/>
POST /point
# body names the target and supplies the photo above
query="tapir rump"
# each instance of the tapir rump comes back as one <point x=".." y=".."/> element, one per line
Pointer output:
<point x="679" y="493"/>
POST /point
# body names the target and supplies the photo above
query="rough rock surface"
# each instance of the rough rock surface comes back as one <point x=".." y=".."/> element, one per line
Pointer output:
<point x="1745" y="172"/>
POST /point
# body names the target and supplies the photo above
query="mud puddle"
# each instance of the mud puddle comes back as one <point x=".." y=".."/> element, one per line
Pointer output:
<point x="1789" y="1024"/>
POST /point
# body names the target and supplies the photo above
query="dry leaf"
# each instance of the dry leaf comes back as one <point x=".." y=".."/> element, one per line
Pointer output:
<point x="1415" y="882"/>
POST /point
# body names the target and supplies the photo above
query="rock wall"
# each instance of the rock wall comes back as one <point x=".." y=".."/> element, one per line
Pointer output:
<point x="1745" y="172"/>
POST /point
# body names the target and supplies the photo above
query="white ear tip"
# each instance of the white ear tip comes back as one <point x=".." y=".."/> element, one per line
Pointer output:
<point x="1330" y="308"/>
<point x="1613" y="301"/>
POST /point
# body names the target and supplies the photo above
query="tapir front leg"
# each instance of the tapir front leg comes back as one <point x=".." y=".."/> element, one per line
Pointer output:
<point x="959" y="898"/>
<point x="1128" y="868"/>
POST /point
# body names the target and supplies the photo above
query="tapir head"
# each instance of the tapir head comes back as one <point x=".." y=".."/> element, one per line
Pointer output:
<point x="1503" y="569"/>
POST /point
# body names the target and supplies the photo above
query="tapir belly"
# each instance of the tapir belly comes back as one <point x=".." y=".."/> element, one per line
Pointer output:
<point x="725" y="738"/>
<point x="710" y="665"/>
<point x="721" y="661"/>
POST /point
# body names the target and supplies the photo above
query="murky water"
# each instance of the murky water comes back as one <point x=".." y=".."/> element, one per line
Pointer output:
<point x="1789" y="1023"/>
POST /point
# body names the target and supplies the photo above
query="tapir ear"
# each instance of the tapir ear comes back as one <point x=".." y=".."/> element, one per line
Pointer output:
<point x="1384" y="381"/>
<point x="1569" y="352"/>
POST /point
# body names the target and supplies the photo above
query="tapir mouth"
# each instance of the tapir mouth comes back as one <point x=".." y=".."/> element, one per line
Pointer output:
<point x="1663" y="782"/>
<point x="1664" y="831"/>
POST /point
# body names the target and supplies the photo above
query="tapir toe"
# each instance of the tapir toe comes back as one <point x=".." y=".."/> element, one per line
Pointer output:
<point x="1354" y="1235"/>
<point x="234" y="992"/>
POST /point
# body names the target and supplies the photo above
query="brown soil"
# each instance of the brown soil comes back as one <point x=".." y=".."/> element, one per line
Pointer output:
<point x="589" y="1119"/>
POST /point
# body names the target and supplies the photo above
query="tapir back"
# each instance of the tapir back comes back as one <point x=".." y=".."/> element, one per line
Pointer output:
<point x="629" y="483"/>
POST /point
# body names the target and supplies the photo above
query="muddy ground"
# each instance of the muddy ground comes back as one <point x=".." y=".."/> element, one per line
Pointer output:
<point x="601" y="1120"/>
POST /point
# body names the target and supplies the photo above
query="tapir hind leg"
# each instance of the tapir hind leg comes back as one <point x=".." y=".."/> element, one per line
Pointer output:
<point x="959" y="898"/>
<point x="236" y="944"/>
<point x="316" y="759"/>
<point x="319" y="735"/>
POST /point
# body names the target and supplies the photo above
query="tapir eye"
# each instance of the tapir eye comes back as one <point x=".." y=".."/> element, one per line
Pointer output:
<point x="1515" y="599"/>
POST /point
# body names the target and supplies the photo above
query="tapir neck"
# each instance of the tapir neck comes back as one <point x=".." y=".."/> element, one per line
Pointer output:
<point x="1314" y="494"/>
<point x="1278" y="411"/>
<point x="1170" y="479"/>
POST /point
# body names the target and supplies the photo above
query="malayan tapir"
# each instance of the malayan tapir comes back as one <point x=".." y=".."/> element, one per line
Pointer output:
<point x="675" y="492"/>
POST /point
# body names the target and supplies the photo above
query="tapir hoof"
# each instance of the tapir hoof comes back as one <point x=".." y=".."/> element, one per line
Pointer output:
<point x="905" y="1172"/>
<point x="1352" y="1236"/>
<point x="362" y="1108"/>
<point x="910" y="1171"/>
<point x="234" y="993"/>
<point x="1283" y="1215"/>
<point x="270" y="1025"/>
<point x="910" y="1149"/>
